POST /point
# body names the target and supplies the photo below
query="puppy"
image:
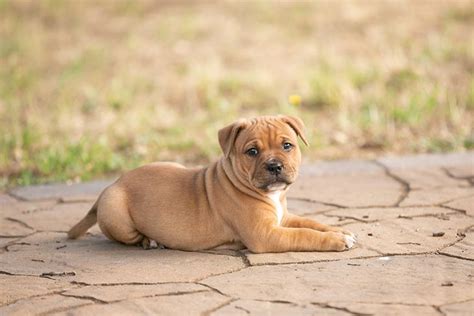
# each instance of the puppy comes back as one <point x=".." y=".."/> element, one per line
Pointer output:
<point x="238" y="201"/>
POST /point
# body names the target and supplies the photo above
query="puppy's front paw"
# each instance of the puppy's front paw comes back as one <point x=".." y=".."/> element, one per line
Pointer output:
<point x="345" y="232"/>
<point x="339" y="241"/>
<point x="350" y="240"/>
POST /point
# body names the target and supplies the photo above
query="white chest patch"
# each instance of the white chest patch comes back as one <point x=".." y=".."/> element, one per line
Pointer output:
<point x="275" y="197"/>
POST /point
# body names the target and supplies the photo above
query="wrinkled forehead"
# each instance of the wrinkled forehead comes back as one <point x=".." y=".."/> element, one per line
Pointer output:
<point x="266" y="133"/>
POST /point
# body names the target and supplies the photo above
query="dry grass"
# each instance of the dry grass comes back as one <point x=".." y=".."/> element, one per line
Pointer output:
<point x="88" y="88"/>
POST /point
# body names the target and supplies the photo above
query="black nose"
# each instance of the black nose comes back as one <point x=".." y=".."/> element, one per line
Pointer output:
<point x="274" y="166"/>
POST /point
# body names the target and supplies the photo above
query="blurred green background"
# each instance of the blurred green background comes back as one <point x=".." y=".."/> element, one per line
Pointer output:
<point x="91" y="88"/>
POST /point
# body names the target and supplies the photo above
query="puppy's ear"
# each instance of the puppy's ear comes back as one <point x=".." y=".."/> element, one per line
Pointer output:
<point x="228" y="135"/>
<point x="297" y="125"/>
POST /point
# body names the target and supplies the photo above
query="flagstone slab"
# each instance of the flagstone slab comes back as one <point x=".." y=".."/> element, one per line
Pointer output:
<point x="436" y="196"/>
<point x="70" y="193"/>
<point x="464" y="204"/>
<point x="14" y="288"/>
<point x="305" y="257"/>
<point x="400" y="280"/>
<point x="427" y="178"/>
<point x="410" y="259"/>
<point x="12" y="228"/>
<point x="463" y="171"/>
<point x="43" y="305"/>
<point x="252" y="307"/>
<point x="378" y="214"/>
<point x="96" y="260"/>
<point x="5" y="241"/>
<point x="14" y="207"/>
<point x="410" y="236"/>
<point x="331" y="220"/>
<point x="57" y="218"/>
<point x="6" y="201"/>
<point x="185" y="304"/>
<point x="131" y="291"/>
<point x="459" y="309"/>
<point x="349" y="190"/>
<point x="462" y="249"/>
<point x="303" y="207"/>
<point x="386" y="310"/>
<point x="446" y="160"/>
<point x="340" y="167"/>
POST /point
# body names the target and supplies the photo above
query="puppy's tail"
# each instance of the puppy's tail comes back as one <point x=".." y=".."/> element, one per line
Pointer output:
<point x="87" y="222"/>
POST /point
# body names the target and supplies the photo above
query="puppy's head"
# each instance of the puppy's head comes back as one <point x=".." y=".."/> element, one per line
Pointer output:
<point x="264" y="151"/>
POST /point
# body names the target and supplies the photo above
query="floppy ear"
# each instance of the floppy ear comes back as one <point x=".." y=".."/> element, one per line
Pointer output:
<point x="228" y="135"/>
<point x="297" y="125"/>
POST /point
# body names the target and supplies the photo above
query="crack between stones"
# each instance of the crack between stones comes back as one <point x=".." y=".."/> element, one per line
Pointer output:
<point x="462" y="235"/>
<point x="26" y="275"/>
<point x="438" y="309"/>
<point x="457" y="302"/>
<point x="13" y="236"/>
<point x="99" y="301"/>
<point x="317" y="201"/>
<point x="313" y="261"/>
<point x="358" y="207"/>
<point x="95" y="300"/>
<point x="213" y="289"/>
<point x="452" y="176"/>
<point x="125" y="283"/>
<point x="244" y="258"/>
<point x="215" y="309"/>
<point x="11" y="219"/>
<point x="405" y="185"/>
<point x="16" y="197"/>
<point x="391" y="206"/>
<point x="450" y="200"/>
<point x="22" y="199"/>
<point x="275" y="301"/>
<point x="387" y="303"/>
<point x="243" y="309"/>
<point x="39" y="209"/>
<point x="458" y="210"/>
<point x="454" y="256"/>
<point x="440" y="216"/>
<point x="84" y="297"/>
<point x="58" y="310"/>
<point x="222" y="273"/>
<point x="344" y="217"/>
<point x="343" y="309"/>
<point x="235" y="255"/>
<point x="34" y="296"/>
<point x="379" y="255"/>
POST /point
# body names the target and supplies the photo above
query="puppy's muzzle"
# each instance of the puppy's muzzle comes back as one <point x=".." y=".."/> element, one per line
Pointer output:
<point x="274" y="166"/>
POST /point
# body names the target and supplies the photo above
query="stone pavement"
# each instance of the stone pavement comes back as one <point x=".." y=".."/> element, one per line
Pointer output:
<point x="414" y="217"/>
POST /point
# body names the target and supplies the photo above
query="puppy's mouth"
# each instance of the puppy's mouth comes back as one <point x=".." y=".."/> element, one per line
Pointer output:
<point x="275" y="184"/>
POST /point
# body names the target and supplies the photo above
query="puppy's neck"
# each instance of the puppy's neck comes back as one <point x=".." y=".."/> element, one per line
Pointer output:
<point x="275" y="197"/>
<point x="238" y="182"/>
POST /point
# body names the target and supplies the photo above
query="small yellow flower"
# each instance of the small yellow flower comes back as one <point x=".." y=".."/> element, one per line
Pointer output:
<point x="294" y="99"/>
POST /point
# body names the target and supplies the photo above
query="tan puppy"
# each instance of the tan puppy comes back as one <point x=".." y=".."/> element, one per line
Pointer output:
<point x="240" y="199"/>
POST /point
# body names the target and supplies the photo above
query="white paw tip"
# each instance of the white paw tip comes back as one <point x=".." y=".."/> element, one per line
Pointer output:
<point x="153" y="244"/>
<point x="350" y="241"/>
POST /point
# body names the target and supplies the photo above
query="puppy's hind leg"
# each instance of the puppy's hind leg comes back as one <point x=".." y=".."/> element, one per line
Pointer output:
<point x="114" y="218"/>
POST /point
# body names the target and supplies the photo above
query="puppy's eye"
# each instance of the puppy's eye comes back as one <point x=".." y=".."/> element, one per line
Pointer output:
<point x="252" y="152"/>
<point x="287" y="146"/>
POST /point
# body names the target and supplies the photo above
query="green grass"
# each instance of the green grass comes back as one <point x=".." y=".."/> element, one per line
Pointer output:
<point x="88" y="91"/>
